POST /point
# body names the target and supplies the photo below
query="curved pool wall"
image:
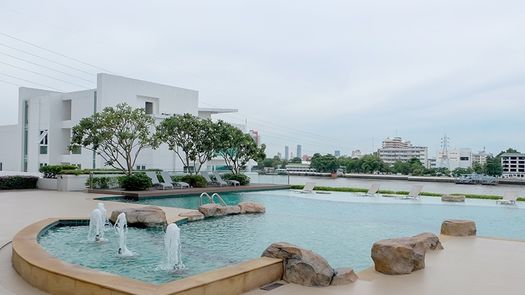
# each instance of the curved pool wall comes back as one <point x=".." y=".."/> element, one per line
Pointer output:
<point x="50" y="274"/>
<point x="339" y="226"/>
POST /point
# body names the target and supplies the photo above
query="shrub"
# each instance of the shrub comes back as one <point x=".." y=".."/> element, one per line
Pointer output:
<point x="18" y="182"/>
<point x="51" y="171"/>
<point x="243" y="179"/>
<point x="103" y="182"/>
<point x="135" y="182"/>
<point x="192" y="180"/>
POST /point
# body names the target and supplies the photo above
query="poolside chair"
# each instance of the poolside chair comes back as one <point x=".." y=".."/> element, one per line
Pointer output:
<point x="219" y="179"/>
<point x="509" y="198"/>
<point x="167" y="179"/>
<point x="307" y="189"/>
<point x="374" y="188"/>
<point x="156" y="183"/>
<point x="414" y="193"/>
<point x="211" y="181"/>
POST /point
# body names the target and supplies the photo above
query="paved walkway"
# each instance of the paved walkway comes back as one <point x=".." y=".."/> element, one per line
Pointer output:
<point x="466" y="265"/>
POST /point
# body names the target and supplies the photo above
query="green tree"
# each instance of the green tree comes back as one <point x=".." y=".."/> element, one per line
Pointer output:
<point x="296" y="160"/>
<point x="324" y="163"/>
<point x="493" y="166"/>
<point x="192" y="139"/>
<point x="117" y="134"/>
<point x="236" y="147"/>
<point x="478" y="168"/>
<point x="372" y="163"/>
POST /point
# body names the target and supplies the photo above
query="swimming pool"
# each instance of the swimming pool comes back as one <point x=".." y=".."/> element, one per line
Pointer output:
<point x="340" y="226"/>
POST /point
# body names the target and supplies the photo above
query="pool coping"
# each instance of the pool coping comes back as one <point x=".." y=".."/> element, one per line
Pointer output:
<point x="50" y="274"/>
<point x="189" y="191"/>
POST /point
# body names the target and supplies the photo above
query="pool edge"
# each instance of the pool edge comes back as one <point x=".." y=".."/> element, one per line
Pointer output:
<point x="52" y="275"/>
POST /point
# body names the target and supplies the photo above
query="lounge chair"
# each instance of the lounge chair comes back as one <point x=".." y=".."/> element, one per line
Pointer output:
<point x="414" y="193"/>
<point x="509" y="198"/>
<point x="374" y="188"/>
<point x="219" y="179"/>
<point x="211" y="181"/>
<point x="167" y="179"/>
<point x="308" y="188"/>
<point x="156" y="183"/>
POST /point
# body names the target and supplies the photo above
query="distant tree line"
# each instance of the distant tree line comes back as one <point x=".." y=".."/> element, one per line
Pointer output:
<point x="373" y="164"/>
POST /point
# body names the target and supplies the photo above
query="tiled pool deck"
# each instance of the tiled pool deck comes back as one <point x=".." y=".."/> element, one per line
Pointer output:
<point x="466" y="266"/>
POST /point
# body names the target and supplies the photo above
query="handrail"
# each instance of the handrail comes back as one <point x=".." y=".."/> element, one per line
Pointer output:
<point x="209" y="198"/>
<point x="219" y="197"/>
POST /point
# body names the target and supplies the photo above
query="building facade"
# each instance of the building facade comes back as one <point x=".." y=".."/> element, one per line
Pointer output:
<point x="513" y="165"/>
<point x="299" y="153"/>
<point x="455" y="158"/>
<point x="396" y="149"/>
<point x="46" y="118"/>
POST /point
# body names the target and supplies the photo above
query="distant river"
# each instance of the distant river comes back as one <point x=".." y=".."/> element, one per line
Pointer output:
<point x="396" y="185"/>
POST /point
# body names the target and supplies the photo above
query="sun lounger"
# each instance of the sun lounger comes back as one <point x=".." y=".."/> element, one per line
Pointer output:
<point x="156" y="183"/>
<point x="509" y="198"/>
<point x="228" y="181"/>
<point x="414" y="193"/>
<point x="374" y="188"/>
<point x="211" y="181"/>
<point x="167" y="179"/>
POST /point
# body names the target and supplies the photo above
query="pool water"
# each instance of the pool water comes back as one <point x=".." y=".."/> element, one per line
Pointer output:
<point x="339" y="226"/>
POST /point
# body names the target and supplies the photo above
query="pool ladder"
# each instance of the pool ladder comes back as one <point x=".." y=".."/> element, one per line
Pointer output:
<point x="211" y="198"/>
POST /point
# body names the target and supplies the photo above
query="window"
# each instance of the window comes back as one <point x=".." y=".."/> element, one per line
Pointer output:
<point x="148" y="107"/>
<point x="66" y="107"/>
<point x="1" y="168"/>
<point x="76" y="150"/>
<point x="463" y="158"/>
<point x="43" y="142"/>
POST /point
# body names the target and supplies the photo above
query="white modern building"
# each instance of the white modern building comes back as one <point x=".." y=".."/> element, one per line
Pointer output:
<point x="396" y="149"/>
<point x="513" y="165"/>
<point x="455" y="158"/>
<point x="45" y="119"/>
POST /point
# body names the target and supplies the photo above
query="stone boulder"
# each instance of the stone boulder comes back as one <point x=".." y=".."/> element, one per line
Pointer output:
<point x="251" y="207"/>
<point x="343" y="276"/>
<point x="193" y="215"/>
<point x="453" y="198"/>
<point x="228" y="210"/>
<point x="209" y="210"/>
<point x="301" y="266"/>
<point x="403" y="255"/>
<point x="142" y="217"/>
<point x="458" y="228"/>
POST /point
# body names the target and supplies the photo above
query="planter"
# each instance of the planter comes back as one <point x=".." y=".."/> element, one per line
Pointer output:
<point x="69" y="183"/>
<point x="47" y="183"/>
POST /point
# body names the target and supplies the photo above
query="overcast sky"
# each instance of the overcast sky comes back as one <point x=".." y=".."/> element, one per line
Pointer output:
<point x="325" y="74"/>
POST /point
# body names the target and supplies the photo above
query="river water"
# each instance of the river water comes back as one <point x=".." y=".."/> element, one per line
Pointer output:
<point x="396" y="185"/>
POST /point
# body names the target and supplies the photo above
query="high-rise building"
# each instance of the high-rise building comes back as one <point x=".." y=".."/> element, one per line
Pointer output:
<point x="299" y="151"/>
<point x="480" y="158"/>
<point x="286" y="153"/>
<point x="513" y="165"/>
<point x="396" y="149"/>
<point x="337" y="153"/>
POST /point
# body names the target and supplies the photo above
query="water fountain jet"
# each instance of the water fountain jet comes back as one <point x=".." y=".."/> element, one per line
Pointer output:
<point x="172" y="249"/>
<point x="121" y="228"/>
<point x="96" y="226"/>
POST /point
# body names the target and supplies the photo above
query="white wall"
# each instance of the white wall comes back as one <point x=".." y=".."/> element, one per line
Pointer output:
<point x="10" y="149"/>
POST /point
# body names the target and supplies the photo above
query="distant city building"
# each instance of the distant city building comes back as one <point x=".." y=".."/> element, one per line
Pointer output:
<point x="480" y="158"/>
<point x="431" y="163"/>
<point x="299" y="151"/>
<point x="337" y="153"/>
<point x="255" y="135"/>
<point x="455" y="158"/>
<point x="396" y="149"/>
<point x="356" y="154"/>
<point x="306" y="158"/>
<point x="299" y="168"/>
<point x="513" y="165"/>
<point x="286" y="153"/>
<point x="279" y="155"/>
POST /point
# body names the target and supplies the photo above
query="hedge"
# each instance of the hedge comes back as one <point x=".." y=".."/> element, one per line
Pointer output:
<point x="18" y="182"/>
<point x="391" y="192"/>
